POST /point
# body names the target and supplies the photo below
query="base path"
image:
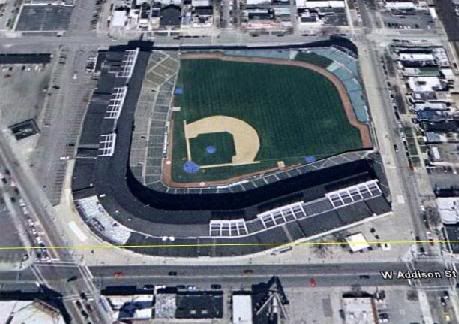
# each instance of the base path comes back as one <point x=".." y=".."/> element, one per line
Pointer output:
<point x="245" y="137"/>
<point x="347" y="105"/>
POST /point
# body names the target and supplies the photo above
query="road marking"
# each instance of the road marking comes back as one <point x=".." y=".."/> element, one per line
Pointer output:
<point x="39" y="276"/>
<point x="75" y="229"/>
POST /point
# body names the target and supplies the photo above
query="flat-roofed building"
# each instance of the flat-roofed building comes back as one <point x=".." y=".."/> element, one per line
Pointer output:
<point x="359" y="310"/>
<point x="131" y="307"/>
<point x="425" y="84"/>
<point x="242" y="309"/>
<point x="119" y="18"/>
<point x="416" y="57"/>
<point x="313" y="4"/>
<point x="448" y="209"/>
<point x="357" y="242"/>
<point x="324" y="4"/>
<point x="197" y="305"/>
<point x="170" y="16"/>
<point x="431" y="106"/>
<point x="30" y="312"/>
<point x="399" y="5"/>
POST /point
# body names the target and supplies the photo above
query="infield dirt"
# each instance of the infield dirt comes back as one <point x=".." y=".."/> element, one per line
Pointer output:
<point x="246" y="141"/>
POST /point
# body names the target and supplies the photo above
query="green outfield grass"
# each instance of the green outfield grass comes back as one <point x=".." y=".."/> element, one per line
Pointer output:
<point x="295" y="111"/>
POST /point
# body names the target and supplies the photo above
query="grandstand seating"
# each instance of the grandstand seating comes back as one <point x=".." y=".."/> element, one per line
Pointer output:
<point x="99" y="220"/>
<point x="345" y="67"/>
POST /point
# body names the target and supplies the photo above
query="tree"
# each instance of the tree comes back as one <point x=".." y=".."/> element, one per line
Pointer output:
<point x="433" y="217"/>
<point x="321" y="249"/>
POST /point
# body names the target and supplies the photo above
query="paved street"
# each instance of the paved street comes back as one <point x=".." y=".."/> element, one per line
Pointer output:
<point x="40" y="206"/>
<point x="61" y="120"/>
<point x="408" y="187"/>
<point x="341" y="274"/>
<point x="332" y="274"/>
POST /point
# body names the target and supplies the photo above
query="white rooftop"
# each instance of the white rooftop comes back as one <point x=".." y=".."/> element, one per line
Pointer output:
<point x="200" y="3"/>
<point x="448" y="73"/>
<point x="416" y="57"/>
<point x="242" y="309"/>
<point x="448" y="209"/>
<point x="400" y="5"/>
<point x="30" y="312"/>
<point x="357" y="242"/>
<point x="118" y="301"/>
<point x="145" y="313"/>
<point x="358" y="310"/>
<point x="431" y="105"/>
<point x="324" y="4"/>
<point x="300" y="3"/>
<point x="119" y="18"/>
<point x="424" y="84"/>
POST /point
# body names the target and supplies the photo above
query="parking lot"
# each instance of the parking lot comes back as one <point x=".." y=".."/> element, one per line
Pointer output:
<point x="444" y="177"/>
<point x="442" y="310"/>
<point x="319" y="305"/>
<point x="335" y="17"/>
<point x="22" y="89"/>
<point x="9" y="237"/>
<point x="314" y="305"/>
<point x="8" y="13"/>
<point x="402" y="306"/>
<point x="85" y="16"/>
<point x="44" y="18"/>
<point x="420" y="19"/>
<point x="24" y="229"/>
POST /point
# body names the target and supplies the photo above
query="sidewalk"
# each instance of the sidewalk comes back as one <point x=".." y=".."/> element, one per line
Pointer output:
<point x="95" y="251"/>
<point x="425" y="307"/>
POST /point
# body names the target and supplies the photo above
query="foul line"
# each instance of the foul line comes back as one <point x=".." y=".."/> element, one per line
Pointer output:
<point x="268" y="245"/>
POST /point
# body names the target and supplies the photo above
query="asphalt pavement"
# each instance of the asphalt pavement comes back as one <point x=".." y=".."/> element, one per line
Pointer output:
<point x="339" y="274"/>
<point x="39" y="205"/>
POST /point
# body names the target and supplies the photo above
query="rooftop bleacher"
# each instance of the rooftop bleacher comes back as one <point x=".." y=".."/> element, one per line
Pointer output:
<point x="296" y="211"/>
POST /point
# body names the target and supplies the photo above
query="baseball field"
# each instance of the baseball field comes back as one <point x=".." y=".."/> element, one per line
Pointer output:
<point x="238" y="117"/>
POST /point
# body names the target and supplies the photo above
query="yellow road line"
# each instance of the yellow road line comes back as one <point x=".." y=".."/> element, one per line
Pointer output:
<point x="267" y="245"/>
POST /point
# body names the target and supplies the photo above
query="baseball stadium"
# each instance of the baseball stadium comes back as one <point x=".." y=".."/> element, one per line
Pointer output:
<point x="204" y="147"/>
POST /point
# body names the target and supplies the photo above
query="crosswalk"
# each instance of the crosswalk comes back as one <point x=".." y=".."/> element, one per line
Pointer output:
<point x="39" y="276"/>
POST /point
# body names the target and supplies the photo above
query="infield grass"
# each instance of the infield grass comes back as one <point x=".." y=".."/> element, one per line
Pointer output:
<point x="295" y="111"/>
<point x="223" y="144"/>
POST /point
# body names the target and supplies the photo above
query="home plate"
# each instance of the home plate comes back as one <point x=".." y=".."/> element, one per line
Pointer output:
<point x="75" y="229"/>
<point x="400" y="199"/>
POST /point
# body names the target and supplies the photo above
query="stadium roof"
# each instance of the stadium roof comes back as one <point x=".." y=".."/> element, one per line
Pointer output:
<point x="29" y="58"/>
